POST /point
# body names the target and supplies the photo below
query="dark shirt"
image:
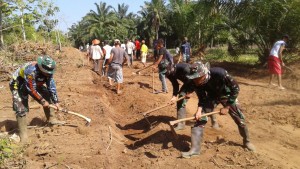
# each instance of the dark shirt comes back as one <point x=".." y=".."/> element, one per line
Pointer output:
<point x="162" y="51"/>
<point x="185" y="48"/>
<point x="220" y="85"/>
<point x="181" y="70"/>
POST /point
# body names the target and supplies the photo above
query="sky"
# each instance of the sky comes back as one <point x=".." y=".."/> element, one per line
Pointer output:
<point x="72" y="11"/>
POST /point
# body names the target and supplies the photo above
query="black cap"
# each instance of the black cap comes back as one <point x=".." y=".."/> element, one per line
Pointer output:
<point x="286" y="36"/>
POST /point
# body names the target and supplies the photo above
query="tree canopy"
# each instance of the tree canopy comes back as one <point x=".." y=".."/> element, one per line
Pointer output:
<point x="240" y="24"/>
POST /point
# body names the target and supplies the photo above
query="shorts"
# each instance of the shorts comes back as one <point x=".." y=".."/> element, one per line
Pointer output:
<point x="274" y="65"/>
<point x="144" y="57"/>
<point x="115" y="72"/>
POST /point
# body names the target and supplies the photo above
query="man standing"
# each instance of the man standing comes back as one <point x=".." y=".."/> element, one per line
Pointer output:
<point x="116" y="61"/>
<point x="275" y="61"/>
<point x="107" y="48"/>
<point x="180" y="72"/>
<point x="185" y="51"/>
<point x="96" y="54"/>
<point x="129" y="50"/>
<point x="214" y="86"/>
<point x="144" y="52"/>
<point x="162" y="63"/>
<point x="137" y="48"/>
<point x="29" y="79"/>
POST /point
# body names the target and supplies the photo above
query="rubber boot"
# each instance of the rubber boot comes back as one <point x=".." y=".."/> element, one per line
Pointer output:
<point x="196" y="138"/>
<point x="22" y="125"/>
<point x="181" y="113"/>
<point x="51" y="119"/>
<point x="246" y="140"/>
<point x="214" y="122"/>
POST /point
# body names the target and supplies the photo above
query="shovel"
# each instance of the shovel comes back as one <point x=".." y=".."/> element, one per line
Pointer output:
<point x="138" y="72"/>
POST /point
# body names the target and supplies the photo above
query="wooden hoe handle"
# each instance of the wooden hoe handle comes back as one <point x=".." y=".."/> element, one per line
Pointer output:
<point x="160" y="107"/>
<point x="192" y="118"/>
<point x="143" y="69"/>
<point x="70" y="112"/>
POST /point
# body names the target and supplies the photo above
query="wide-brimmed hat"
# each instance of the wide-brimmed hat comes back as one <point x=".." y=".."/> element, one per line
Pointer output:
<point x="46" y="64"/>
<point x="96" y="42"/>
<point x="198" y="69"/>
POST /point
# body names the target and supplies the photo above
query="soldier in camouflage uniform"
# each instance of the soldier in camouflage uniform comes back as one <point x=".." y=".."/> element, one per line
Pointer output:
<point x="28" y="80"/>
<point x="214" y="86"/>
<point x="179" y="72"/>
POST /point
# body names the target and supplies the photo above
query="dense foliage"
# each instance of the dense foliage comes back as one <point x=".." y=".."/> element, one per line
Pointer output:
<point x="28" y="20"/>
<point x="240" y="25"/>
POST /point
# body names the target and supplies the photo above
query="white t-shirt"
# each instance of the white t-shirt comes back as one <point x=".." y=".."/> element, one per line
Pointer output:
<point x="108" y="50"/>
<point x="96" y="51"/>
<point x="123" y="46"/>
<point x="129" y="47"/>
<point x="276" y="47"/>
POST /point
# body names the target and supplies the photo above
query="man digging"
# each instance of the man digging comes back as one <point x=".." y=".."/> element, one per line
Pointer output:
<point x="214" y="86"/>
<point x="30" y="79"/>
<point x="180" y="72"/>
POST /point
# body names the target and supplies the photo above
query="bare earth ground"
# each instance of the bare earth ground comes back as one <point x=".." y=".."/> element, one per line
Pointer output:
<point x="119" y="136"/>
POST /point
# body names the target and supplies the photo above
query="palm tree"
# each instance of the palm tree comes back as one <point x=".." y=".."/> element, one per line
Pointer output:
<point x="122" y="11"/>
<point x="156" y="14"/>
<point x="100" y="20"/>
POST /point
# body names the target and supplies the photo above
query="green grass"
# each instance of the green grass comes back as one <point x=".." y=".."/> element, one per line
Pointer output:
<point x="221" y="55"/>
<point x="8" y="150"/>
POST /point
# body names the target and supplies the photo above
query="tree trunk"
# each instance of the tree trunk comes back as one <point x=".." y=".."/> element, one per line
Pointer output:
<point x="1" y="33"/>
<point x="58" y="39"/>
<point x="22" y="26"/>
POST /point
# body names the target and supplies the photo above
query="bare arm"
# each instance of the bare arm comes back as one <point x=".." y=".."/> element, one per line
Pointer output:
<point x="110" y="58"/>
<point x="280" y="54"/>
<point x="158" y="60"/>
<point x="180" y="57"/>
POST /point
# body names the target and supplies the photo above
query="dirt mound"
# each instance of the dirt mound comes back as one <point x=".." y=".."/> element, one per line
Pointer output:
<point x="120" y="137"/>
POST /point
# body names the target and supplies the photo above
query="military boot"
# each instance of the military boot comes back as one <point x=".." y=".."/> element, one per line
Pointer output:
<point x="51" y="119"/>
<point x="181" y="113"/>
<point x="22" y="125"/>
<point x="214" y="122"/>
<point x="196" y="138"/>
<point x="246" y="140"/>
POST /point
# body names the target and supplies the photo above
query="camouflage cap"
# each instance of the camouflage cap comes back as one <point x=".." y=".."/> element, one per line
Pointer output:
<point x="46" y="64"/>
<point x="198" y="69"/>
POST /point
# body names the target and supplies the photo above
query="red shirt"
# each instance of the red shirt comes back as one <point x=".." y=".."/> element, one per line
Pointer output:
<point x="137" y="45"/>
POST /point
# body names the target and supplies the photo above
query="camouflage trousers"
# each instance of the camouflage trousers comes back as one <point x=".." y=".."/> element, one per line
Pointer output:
<point x="234" y="111"/>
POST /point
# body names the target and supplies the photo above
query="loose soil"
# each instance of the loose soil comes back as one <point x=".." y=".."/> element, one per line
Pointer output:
<point x="120" y="137"/>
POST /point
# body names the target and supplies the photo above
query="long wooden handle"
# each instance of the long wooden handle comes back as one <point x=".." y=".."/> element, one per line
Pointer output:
<point x="153" y="81"/>
<point x="192" y="118"/>
<point x="143" y="69"/>
<point x="160" y="107"/>
<point x="70" y="112"/>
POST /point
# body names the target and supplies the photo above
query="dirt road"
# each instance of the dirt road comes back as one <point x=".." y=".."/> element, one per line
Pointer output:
<point x="119" y="137"/>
